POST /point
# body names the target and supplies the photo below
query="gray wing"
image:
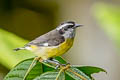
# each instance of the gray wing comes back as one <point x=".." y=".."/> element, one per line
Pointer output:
<point x="52" y="38"/>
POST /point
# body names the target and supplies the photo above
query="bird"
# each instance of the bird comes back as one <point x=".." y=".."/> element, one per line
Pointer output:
<point x="54" y="43"/>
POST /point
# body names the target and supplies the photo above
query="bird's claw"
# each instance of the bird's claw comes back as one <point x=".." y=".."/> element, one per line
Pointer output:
<point x="62" y="65"/>
<point x="65" y="64"/>
<point x="57" y="66"/>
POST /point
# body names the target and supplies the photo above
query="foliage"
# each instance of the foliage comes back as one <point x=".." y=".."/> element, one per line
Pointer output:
<point x="8" y="42"/>
<point x="46" y="71"/>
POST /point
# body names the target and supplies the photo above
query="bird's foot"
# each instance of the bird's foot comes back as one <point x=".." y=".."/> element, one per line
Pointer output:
<point x="65" y="66"/>
<point x="56" y="64"/>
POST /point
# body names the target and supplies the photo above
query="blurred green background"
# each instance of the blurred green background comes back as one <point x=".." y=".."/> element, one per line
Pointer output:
<point x="96" y="44"/>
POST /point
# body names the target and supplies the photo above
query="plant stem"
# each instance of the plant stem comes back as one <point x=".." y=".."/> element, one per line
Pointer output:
<point x="83" y="78"/>
<point x="30" y="67"/>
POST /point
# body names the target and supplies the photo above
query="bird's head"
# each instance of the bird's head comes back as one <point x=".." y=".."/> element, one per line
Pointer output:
<point x="67" y="29"/>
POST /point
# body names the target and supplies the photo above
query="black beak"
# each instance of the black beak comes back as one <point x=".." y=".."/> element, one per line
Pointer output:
<point x="78" y="25"/>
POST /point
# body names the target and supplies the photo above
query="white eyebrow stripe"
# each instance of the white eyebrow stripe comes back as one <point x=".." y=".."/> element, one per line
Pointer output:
<point x="61" y="26"/>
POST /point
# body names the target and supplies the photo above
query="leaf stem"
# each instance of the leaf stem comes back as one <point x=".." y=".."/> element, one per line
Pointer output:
<point x="48" y="65"/>
<point x="83" y="78"/>
<point x="30" y="67"/>
<point x="59" y="74"/>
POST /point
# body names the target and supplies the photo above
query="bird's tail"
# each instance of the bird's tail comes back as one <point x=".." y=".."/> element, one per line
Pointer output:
<point x="16" y="49"/>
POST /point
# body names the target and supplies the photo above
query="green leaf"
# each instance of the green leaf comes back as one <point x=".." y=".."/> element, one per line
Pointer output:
<point x="88" y="70"/>
<point x="67" y="77"/>
<point x="46" y="68"/>
<point x="8" y="42"/>
<point x="18" y="72"/>
<point x="36" y="71"/>
<point x="41" y="71"/>
<point x="51" y="76"/>
<point x="77" y="74"/>
<point x="61" y="60"/>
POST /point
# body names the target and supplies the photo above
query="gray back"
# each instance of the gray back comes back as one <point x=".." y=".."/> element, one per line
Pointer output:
<point x="53" y="38"/>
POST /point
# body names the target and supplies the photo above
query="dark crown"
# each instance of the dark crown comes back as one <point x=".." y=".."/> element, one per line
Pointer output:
<point x="72" y="22"/>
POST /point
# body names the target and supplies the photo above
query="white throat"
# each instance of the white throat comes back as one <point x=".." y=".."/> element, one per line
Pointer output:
<point x="69" y="34"/>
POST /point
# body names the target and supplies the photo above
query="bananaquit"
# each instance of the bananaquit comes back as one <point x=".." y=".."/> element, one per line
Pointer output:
<point x="54" y="43"/>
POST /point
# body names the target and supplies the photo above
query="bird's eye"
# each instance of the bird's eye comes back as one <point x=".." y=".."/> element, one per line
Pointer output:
<point x="70" y="26"/>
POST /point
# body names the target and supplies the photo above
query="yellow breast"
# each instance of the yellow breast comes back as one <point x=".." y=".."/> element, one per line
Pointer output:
<point x="64" y="47"/>
<point x="52" y="51"/>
